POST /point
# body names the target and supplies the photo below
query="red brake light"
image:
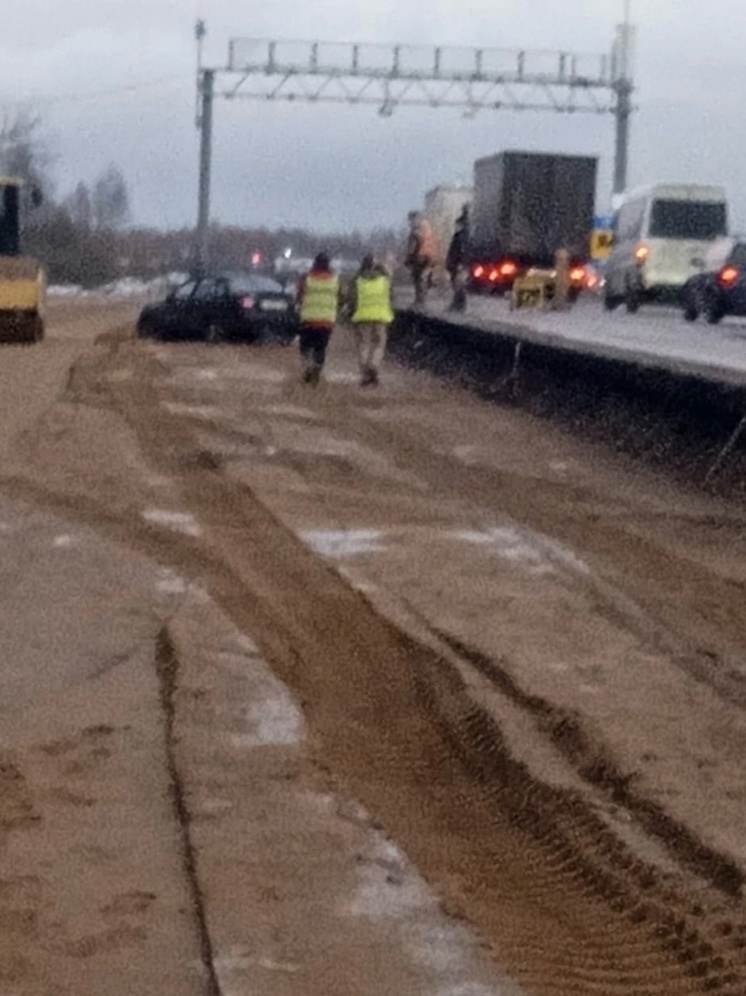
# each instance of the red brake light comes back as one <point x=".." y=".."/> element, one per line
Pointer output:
<point x="494" y="276"/>
<point x="728" y="276"/>
<point x="478" y="271"/>
<point x="247" y="301"/>
<point x="578" y="275"/>
<point x="508" y="268"/>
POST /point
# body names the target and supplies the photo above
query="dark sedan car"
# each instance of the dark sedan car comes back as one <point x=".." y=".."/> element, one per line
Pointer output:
<point x="238" y="307"/>
<point x="719" y="292"/>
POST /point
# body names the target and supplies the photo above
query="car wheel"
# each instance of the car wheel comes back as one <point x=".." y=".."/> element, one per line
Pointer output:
<point x="214" y="333"/>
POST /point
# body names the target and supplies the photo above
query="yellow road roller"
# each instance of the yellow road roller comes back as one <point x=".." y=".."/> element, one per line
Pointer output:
<point x="22" y="279"/>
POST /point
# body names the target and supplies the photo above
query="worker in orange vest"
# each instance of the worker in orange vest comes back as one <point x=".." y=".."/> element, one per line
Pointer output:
<point x="421" y="252"/>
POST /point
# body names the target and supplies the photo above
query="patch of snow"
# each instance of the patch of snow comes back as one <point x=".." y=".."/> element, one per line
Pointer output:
<point x="63" y="541"/>
<point x="183" y="522"/>
<point x="538" y="554"/>
<point x="274" y="720"/>
<point x="340" y="543"/>
<point x="171" y="584"/>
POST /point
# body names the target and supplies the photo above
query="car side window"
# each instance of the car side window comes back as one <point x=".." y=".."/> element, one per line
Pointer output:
<point x="205" y="290"/>
<point x="185" y="291"/>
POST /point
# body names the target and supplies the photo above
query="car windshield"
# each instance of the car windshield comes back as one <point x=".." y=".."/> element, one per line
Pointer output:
<point x="251" y="284"/>
<point x="687" y="220"/>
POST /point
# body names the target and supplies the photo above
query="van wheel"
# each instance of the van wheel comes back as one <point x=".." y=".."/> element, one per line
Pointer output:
<point x="214" y="333"/>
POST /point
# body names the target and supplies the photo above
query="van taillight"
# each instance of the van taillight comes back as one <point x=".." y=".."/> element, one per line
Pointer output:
<point x="728" y="276"/>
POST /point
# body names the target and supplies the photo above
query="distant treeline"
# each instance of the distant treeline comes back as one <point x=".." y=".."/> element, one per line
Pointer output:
<point x="87" y="238"/>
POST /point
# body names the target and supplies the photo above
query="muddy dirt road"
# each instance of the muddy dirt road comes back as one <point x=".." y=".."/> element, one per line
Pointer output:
<point x="338" y="691"/>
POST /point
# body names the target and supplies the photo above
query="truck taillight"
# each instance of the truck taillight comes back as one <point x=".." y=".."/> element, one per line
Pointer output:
<point x="578" y="275"/>
<point x="248" y="302"/>
<point x="728" y="276"/>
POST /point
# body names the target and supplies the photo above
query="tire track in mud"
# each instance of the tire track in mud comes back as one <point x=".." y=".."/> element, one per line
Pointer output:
<point x="634" y="575"/>
<point x="167" y="669"/>
<point x="567" y="908"/>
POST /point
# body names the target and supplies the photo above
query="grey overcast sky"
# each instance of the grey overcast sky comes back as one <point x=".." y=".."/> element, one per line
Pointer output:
<point x="114" y="81"/>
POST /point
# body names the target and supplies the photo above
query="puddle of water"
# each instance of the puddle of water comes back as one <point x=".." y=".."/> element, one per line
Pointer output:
<point x="340" y="543"/>
<point x="183" y="522"/>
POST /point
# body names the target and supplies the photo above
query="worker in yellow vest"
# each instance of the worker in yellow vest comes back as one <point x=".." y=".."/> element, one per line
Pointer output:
<point x="372" y="315"/>
<point x="318" y="301"/>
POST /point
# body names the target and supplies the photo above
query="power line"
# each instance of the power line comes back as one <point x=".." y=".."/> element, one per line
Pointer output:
<point x="93" y="96"/>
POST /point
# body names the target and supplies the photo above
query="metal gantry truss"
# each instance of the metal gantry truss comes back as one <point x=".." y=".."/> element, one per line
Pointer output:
<point x="418" y="76"/>
<point x="392" y="76"/>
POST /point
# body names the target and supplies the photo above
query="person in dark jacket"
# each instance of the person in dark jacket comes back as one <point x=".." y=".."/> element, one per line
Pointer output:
<point x="318" y="301"/>
<point x="457" y="261"/>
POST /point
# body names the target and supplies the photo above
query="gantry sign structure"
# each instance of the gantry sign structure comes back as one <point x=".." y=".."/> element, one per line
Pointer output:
<point x="390" y="76"/>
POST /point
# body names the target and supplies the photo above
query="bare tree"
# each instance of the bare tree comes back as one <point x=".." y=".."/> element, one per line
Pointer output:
<point x="110" y="200"/>
<point x="79" y="206"/>
<point x="24" y="151"/>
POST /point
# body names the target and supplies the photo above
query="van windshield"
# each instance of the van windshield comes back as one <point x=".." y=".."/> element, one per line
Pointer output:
<point x="687" y="220"/>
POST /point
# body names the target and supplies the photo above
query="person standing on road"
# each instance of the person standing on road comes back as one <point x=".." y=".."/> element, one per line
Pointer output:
<point x="372" y="315"/>
<point x="420" y="254"/>
<point x="318" y="301"/>
<point x="457" y="261"/>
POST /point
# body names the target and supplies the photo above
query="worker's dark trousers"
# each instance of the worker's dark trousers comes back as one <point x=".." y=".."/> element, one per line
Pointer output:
<point x="313" y="343"/>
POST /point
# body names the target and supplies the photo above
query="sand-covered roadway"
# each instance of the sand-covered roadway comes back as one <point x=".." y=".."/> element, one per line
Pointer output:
<point x="388" y="691"/>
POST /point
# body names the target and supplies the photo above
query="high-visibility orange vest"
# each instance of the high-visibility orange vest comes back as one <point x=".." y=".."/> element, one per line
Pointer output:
<point x="428" y="246"/>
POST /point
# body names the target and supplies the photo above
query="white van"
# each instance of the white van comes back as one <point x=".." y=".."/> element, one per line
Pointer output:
<point x="661" y="236"/>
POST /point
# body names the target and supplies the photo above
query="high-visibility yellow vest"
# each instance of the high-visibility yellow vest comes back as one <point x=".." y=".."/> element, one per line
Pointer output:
<point x="320" y="300"/>
<point x="373" y="300"/>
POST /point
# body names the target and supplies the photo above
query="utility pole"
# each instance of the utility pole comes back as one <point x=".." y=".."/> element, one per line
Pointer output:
<point x="206" y="93"/>
<point x="623" y="87"/>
